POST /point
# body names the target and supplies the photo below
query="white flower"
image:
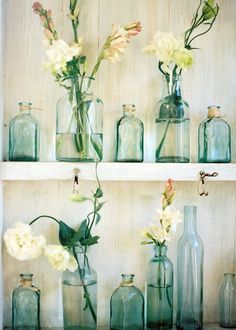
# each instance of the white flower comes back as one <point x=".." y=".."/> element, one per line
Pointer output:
<point x="59" y="258"/>
<point x="169" y="219"/>
<point x="59" y="53"/>
<point x="183" y="58"/>
<point x="21" y="244"/>
<point x="163" y="46"/>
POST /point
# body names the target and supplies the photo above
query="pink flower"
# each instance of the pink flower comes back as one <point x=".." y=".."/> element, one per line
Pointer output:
<point x="168" y="194"/>
<point x="37" y="7"/>
<point x="133" y="28"/>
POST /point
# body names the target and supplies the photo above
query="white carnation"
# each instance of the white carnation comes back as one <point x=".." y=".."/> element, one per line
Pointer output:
<point x="21" y="244"/>
<point x="60" y="258"/>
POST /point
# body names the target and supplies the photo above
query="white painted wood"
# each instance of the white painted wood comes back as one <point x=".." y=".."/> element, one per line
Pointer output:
<point x="115" y="171"/>
<point x="36" y="188"/>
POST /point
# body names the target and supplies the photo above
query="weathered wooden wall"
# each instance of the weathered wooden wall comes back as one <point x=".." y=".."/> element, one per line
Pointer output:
<point x="129" y="206"/>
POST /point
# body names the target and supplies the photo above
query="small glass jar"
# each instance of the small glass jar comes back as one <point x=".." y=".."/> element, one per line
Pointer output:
<point x="26" y="305"/>
<point x="24" y="135"/>
<point x="127" y="306"/>
<point x="129" y="136"/>
<point x="227" y="302"/>
<point x="214" y="138"/>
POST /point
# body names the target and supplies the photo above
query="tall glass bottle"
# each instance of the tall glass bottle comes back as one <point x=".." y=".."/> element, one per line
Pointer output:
<point x="127" y="306"/>
<point x="214" y="138"/>
<point x="26" y="305"/>
<point x="172" y="124"/>
<point x="160" y="290"/>
<point x="189" y="274"/>
<point x="129" y="136"/>
<point x="79" y="292"/>
<point x="227" y="302"/>
<point x="24" y="135"/>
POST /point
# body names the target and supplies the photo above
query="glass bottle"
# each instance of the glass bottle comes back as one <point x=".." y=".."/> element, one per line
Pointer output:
<point x="189" y="274"/>
<point x="160" y="290"/>
<point x="172" y="124"/>
<point x="214" y="138"/>
<point x="129" y="136"/>
<point x="227" y="302"/>
<point x="127" y="306"/>
<point x="79" y="293"/>
<point x="26" y="305"/>
<point x="79" y="126"/>
<point x="24" y="135"/>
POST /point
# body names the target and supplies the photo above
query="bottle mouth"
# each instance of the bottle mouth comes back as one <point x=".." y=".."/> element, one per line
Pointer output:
<point x="213" y="111"/>
<point x="25" y="105"/>
<point x="127" y="279"/>
<point x="128" y="108"/>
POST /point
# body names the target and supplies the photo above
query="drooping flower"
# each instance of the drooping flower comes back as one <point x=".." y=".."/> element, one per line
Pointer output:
<point x="21" y="244"/>
<point x="59" y="258"/>
<point x="60" y="53"/>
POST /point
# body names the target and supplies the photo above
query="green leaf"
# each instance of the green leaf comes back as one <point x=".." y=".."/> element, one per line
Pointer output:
<point x="82" y="59"/>
<point x="145" y="242"/>
<point x="90" y="241"/>
<point x="100" y="205"/>
<point x="97" y="147"/>
<point x="98" y="218"/>
<point x="149" y="235"/>
<point x="66" y="233"/>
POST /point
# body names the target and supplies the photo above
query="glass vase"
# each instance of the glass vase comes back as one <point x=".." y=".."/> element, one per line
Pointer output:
<point x="127" y="306"/>
<point x="160" y="290"/>
<point x="189" y="274"/>
<point x="26" y="305"/>
<point x="172" y="124"/>
<point x="214" y="138"/>
<point x="24" y="135"/>
<point x="79" y="293"/>
<point x="227" y="302"/>
<point x="129" y="136"/>
<point x="79" y="127"/>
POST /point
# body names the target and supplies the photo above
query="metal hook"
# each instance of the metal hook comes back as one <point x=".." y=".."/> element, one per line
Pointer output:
<point x="76" y="180"/>
<point x="201" y="186"/>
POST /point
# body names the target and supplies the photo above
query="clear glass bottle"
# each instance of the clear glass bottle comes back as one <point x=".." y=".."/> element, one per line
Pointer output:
<point x="172" y="124"/>
<point x="129" y="136"/>
<point x="24" y="135"/>
<point x="160" y="290"/>
<point x="189" y="274"/>
<point x="127" y="306"/>
<point x="79" y="127"/>
<point x="214" y="138"/>
<point x="79" y="293"/>
<point x="227" y="302"/>
<point x="26" y="305"/>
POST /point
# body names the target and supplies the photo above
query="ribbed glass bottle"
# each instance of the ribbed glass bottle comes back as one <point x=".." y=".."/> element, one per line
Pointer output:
<point x="189" y="274"/>
<point x="160" y="290"/>
<point x="214" y="138"/>
<point x="127" y="306"/>
<point x="26" y="305"/>
<point x="129" y="136"/>
<point x="24" y="135"/>
<point x="227" y="302"/>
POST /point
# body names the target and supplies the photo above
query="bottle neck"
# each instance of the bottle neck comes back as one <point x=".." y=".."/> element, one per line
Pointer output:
<point x="229" y="279"/>
<point x="127" y="279"/>
<point x="81" y="255"/>
<point x="172" y="86"/>
<point x="160" y="250"/>
<point x="128" y="109"/>
<point x="26" y="280"/>
<point x="190" y="221"/>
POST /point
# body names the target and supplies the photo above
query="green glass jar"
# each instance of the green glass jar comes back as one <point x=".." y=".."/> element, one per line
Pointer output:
<point x="160" y="290"/>
<point x="172" y="124"/>
<point x="24" y="135"/>
<point x="127" y="306"/>
<point x="26" y="305"/>
<point x="227" y="302"/>
<point x="129" y="136"/>
<point x="214" y="138"/>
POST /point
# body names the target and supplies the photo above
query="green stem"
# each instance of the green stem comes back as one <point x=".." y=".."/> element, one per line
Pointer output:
<point x="44" y="216"/>
<point x="162" y="140"/>
<point x="86" y="293"/>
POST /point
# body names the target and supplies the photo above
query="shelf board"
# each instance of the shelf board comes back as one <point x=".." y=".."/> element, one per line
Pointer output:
<point x="114" y="171"/>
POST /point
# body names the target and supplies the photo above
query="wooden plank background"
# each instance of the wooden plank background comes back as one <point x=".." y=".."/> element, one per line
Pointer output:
<point x="129" y="205"/>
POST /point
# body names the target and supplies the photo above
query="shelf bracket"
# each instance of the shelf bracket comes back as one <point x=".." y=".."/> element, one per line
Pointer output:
<point x="76" y="180"/>
<point x="201" y="186"/>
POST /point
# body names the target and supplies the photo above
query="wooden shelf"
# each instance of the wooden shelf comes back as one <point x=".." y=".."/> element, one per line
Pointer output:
<point x="114" y="171"/>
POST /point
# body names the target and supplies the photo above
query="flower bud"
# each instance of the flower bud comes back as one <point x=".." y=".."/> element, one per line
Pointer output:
<point x="209" y="10"/>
